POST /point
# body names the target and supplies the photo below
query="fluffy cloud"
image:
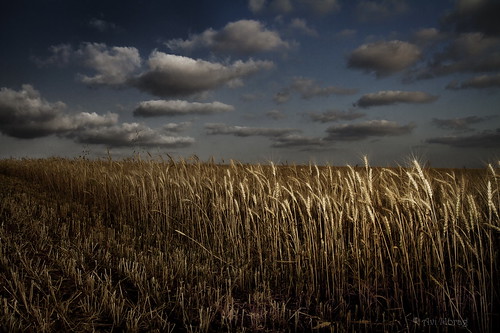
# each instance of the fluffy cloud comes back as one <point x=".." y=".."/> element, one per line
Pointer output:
<point x="297" y="140"/>
<point x="368" y="11"/>
<point x="113" y="65"/>
<point x="468" y="52"/>
<point x="428" y="36"/>
<point x="129" y="134"/>
<point x="275" y="114"/>
<point x="102" y="25"/>
<point x="478" y="82"/>
<point x="485" y="139"/>
<point x="384" y="58"/>
<point x="240" y="37"/>
<point x="346" y="34"/>
<point x="60" y="55"/>
<point x="301" y="25"/>
<point x="475" y="16"/>
<point x="308" y="88"/>
<point x="25" y="114"/>
<point x="394" y="97"/>
<point x="171" y="75"/>
<point x="458" y="124"/>
<point x="335" y="115"/>
<point x="176" y="127"/>
<point x="178" y="107"/>
<point x="286" y="6"/>
<point x="282" y="97"/>
<point x="372" y="128"/>
<point x="244" y="131"/>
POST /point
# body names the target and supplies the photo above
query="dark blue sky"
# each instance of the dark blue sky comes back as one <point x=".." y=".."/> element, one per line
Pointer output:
<point x="326" y="81"/>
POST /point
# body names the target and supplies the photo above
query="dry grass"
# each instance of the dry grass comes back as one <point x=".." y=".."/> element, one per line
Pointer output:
<point x="152" y="245"/>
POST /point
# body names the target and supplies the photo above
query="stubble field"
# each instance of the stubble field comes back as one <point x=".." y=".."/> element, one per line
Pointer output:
<point x="154" y="245"/>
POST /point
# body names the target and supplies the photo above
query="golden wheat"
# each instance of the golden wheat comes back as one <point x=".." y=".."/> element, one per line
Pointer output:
<point x="144" y="244"/>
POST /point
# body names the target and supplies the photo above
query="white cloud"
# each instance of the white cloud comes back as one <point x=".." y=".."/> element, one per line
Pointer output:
<point x="467" y="52"/>
<point x="25" y="114"/>
<point x="297" y="140"/>
<point x="176" y="127"/>
<point x="60" y="55"/>
<point x="484" y="139"/>
<point x="309" y="88"/>
<point x="376" y="11"/>
<point x="178" y="107"/>
<point x="478" y="82"/>
<point x="130" y="134"/>
<point x="390" y="97"/>
<point x="335" y="115"/>
<point x="458" y="124"/>
<point x="171" y="75"/>
<point x="223" y="129"/>
<point x="427" y="36"/>
<point x="346" y="33"/>
<point x="364" y="130"/>
<point x="275" y="114"/>
<point x="256" y="5"/>
<point x="240" y="37"/>
<point x="114" y="65"/>
<point x="384" y="58"/>
<point x="320" y="7"/>
<point x="301" y="26"/>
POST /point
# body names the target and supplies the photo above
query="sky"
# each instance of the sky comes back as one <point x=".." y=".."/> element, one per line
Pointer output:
<point x="288" y="81"/>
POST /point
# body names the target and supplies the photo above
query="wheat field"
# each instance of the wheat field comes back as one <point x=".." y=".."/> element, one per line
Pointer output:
<point x="146" y="244"/>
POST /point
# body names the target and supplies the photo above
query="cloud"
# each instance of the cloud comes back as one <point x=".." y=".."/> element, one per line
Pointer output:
<point x="308" y="88"/>
<point x="256" y="5"/>
<point x="281" y="137"/>
<point x="297" y="140"/>
<point x="485" y="139"/>
<point x="25" y="114"/>
<point x="458" y="124"/>
<point x="102" y="25"/>
<point x="377" y="11"/>
<point x="130" y="134"/>
<point x="427" y="36"/>
<point x="372" y="128"/>
<point x="467" y="52"/>
<point x="171" y="75"/>
<point x="282" y="97"/>
<point x="176" y="127"/>
<point x="156" y="108"/>
<point x="477" y="82"/>
<point x="244" y="131"/>
<point x="301" y="26"/>
<point x="475" y="16"/>
<point x="240" y="37"/>
<point x="384" y="58"/>
<point x="320" y="7"/>
<point x="335" y="115"/>
<point x="114" y="65"/>
<point x="60" y="55"/>
<point x="346" y="34"/>
<point x="275" y="114"/>
<point x="390" y="97"/>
